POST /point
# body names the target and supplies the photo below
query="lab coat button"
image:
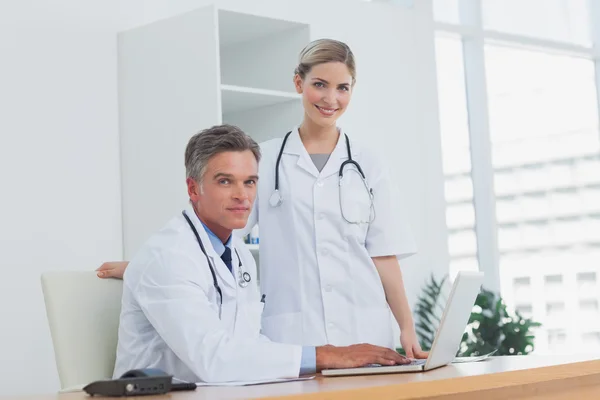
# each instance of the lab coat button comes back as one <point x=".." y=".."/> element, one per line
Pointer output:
<point x="324" y="252"/>
<point x="328" y="288"/>
<point x="320" y="183"/>
<point x="321" y="216"/>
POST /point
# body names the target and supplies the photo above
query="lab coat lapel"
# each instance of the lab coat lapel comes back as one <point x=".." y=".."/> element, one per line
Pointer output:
<point x="338" y="156"/>
<point x="224" y="276"/>
<point x="294" y="146"/>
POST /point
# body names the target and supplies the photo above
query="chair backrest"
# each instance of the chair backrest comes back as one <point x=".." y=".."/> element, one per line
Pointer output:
<point x="83" y="313"/>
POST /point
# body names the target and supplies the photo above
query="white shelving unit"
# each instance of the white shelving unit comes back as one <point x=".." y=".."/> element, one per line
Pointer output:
<point x="257" y="60"/>
<point x="259" y="52"/>
<point x="236" y="99"/>
<point x="226" y="67"/>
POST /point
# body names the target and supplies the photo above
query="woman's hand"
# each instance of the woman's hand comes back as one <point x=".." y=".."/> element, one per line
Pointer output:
<point x="113" y="269"/>
<point x="395" y="294"/>
<point x="410" y="344"/>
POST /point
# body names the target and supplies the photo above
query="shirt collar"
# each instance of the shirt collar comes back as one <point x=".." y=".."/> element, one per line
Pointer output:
<point x="217" y="244"/>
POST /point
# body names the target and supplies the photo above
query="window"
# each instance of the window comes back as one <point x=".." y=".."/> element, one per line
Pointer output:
<point x="558" y="20"/>
<point x="521" y="290"/>
<point x="589" y="306"/>
<point x="524" y="282"/>
<point x="590" y="341"/>
<point x="525" y="310"/>
<point x="536" y="128"/>
<point x="544" y="149"/>
<point x="587" y="285"/>
<point x="460" y="213"/>
<point x="586" y="278"/>
<point x="553" y="280"/>
<point x="555" y="309"/>
<point x="534" y="146"/>
<point x="557" y="337"/>
<point x="446" y="11"/>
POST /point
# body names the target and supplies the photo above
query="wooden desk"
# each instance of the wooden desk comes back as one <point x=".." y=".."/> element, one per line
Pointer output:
<point x="518" y="377"/>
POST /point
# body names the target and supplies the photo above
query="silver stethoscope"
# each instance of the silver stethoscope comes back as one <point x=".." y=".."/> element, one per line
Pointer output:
<point x="244" y="278"/>
<point x="276" y="198"/>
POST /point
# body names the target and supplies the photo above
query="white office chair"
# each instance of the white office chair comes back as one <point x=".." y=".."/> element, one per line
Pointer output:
<point x="83" y="313"/>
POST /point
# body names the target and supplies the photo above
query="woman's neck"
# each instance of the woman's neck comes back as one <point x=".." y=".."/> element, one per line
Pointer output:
<point x="318" y="139"/>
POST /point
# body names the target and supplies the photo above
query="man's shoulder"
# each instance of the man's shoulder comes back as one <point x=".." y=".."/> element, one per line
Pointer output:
<point x="172" y="237"/>
<point x="172" y="242"/>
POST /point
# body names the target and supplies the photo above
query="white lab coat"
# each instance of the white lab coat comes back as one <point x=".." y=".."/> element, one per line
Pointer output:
<point x="169" y="317"/>
<point x="316" y="270"/>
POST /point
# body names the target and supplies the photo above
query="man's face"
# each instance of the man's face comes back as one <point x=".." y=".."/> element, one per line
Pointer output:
<point x="224" y="199"/>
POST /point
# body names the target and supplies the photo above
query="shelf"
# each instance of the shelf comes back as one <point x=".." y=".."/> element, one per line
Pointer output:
<point x="252" y="247"/>
<point x="259" y="52"/>
<point x="238" y="98"/>
<point x="235" y="28"/>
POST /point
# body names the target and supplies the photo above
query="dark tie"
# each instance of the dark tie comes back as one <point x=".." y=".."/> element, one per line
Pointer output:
<point x="226" y="257"/>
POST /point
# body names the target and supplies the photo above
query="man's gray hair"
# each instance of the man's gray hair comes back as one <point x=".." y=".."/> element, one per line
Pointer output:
<point x="212" y="141"/>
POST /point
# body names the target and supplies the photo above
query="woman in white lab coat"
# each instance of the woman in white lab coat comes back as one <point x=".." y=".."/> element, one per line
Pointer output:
<point x="329" y="245"/>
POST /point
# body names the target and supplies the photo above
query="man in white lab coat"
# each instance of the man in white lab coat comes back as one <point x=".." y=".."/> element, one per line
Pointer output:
<point x="191" y="306"/>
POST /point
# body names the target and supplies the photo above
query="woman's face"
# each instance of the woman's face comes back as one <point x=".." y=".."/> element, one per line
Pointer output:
<point x="326" y="92"/>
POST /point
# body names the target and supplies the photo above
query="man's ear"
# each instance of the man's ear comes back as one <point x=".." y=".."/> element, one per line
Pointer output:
<point x="298" y="83"/>
<point x="194" y="190"/>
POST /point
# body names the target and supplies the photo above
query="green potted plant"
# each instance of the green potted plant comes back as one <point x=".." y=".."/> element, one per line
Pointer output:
<point x="491" y="325"/>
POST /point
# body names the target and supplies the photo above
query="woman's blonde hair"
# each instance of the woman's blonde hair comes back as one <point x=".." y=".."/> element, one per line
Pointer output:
<point x="323" y="51"/>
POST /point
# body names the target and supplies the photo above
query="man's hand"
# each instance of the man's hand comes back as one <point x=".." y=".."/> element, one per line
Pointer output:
<point x="114" y="269"/>
<point x="357" y="355"/>
<point x="411" y="346"/>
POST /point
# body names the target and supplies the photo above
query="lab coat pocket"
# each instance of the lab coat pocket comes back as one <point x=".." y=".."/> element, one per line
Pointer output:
<point x="355" y="207"/>
<point x="252" y="317"/>
<point x="356" y="212"/>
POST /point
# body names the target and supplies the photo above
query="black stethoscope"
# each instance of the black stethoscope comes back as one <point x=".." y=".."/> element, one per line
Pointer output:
<point x="276" y="198"/>
<point x="244" y="278"/>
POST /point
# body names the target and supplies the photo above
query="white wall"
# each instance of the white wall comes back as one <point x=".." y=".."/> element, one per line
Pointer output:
<point x="59" y="150"/>
<point x="59" y="167"/>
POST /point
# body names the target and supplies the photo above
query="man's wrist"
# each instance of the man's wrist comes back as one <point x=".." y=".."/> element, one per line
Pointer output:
<point x="322" y="356"/>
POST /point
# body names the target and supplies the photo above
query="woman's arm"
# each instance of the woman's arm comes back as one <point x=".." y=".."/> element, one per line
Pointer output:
<point x="395" y="294"/>
<point x="112" y="269"/>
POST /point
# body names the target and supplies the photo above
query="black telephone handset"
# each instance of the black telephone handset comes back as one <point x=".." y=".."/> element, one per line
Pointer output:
<point x="137" y="382"/>
<point x="139" y="373"/>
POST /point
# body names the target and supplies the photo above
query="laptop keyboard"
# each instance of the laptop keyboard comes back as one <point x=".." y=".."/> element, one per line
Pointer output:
<point x="413" y="362"/>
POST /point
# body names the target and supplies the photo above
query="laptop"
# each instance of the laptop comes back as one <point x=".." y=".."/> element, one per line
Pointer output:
<point x="447" y="338"/>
